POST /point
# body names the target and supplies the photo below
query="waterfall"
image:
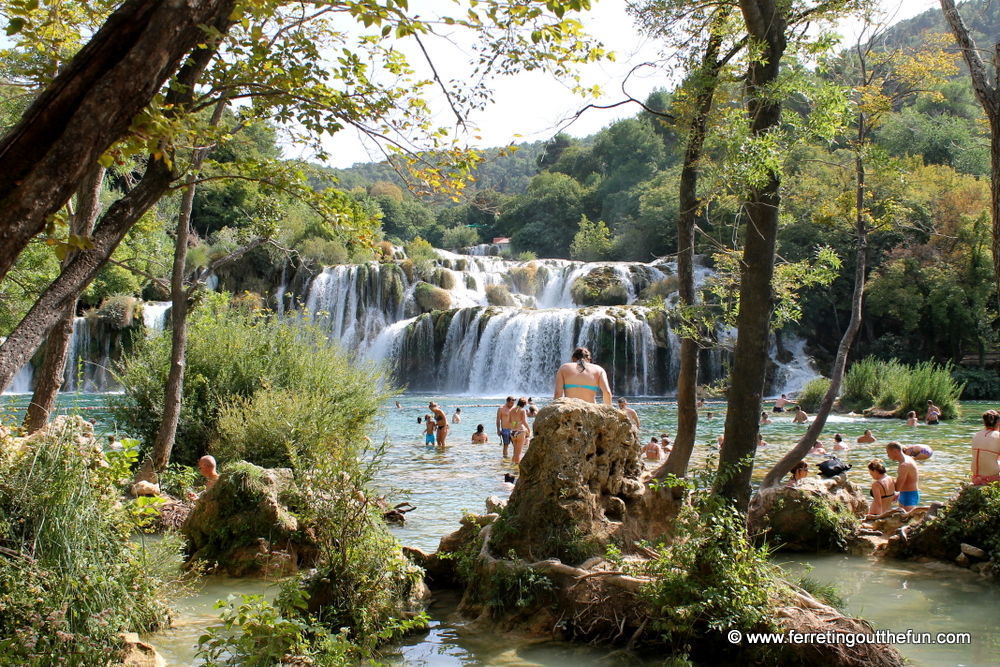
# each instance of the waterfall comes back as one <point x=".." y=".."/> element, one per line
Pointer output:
<point x="21" y="384"/>
<point x="154" y="316"/>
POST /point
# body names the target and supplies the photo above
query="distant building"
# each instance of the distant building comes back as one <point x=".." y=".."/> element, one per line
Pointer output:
<point x="502" y="243"/>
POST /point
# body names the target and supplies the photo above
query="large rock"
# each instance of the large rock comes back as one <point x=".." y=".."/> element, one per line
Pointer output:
<point x="578" y="480"/>
<point x="969" y="518"/>
<point x="815" y="514"/>
<point x="242" y="526"/>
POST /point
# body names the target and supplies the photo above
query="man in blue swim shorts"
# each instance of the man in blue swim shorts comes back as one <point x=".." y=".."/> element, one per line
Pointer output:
<point x="906" y="476"/>
<point x="429" y="430"/>
<point x="504" y="423"/>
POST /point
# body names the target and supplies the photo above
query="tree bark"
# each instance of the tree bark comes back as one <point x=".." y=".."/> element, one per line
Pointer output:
<point x="50" y="376"/>
<point x="173" y="392"/>
<point x="89" y="106"/>
<point x="707" y="80"/>
<point x="802" y="447"/>
<point x="110" y="231"/>
<point x="989" y="98"/>
<point x="766" y="23"/>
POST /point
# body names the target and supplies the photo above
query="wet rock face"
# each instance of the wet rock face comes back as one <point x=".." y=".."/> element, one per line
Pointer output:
<point x="578" y="479"/>
<point x="816" y="514"/>
<point x="242" y="527"/>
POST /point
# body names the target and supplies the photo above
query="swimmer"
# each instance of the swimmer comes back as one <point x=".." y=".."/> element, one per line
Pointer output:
<point x="911" y="419"/>
<point x="764" y="419"/>
<point x="701" y="403"/>
<point x="399" y="406"/>
<point x="480" y="437"/>
<point x="760" y="440"/>
<point x="114" y="445"/>
<point x="582" y="379"/>
<point x="883" y="490"/>
<point x="532" y="408"/>
<point x="653" y="450"/>
<point x="986" y="450"/>
<point x="629" y="412"/>
<point x="520" y="429"/>
<point x="801" y="416"/>
<point x="919" y="452"/>
<point x="206" y="466"/>
<point x="867" y="438"/>
<point x="457" y="417"/>
<point x="779" y="405"/>
<point x="818" y="449"/>
<point x="907" y="477"/>
<point x="839" y="445"/>
<point x="933" y="413"/>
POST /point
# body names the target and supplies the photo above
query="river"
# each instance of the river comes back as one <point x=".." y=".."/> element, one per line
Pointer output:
<point x="892" y="595"/>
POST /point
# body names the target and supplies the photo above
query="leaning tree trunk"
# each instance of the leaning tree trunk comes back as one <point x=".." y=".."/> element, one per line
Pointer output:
<point x="802" y="447"/>
<point x="766" y="24"/>
<point x="173" y="392"/>
<point x="989" y="98"/>
<point x="50" y="376"/>
<point x="90" y="105"/>
<point x="114" y="225"/>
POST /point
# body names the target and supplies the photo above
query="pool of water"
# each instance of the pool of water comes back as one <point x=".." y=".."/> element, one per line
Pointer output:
<point x="442" y="483"/>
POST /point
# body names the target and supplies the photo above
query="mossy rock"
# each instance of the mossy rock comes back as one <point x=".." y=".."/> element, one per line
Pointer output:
<point x="815" y="514"/>
<point x="408" y="268"/>
<point x="243" y="526"/>
<point x="431" y="298"/>
<point x="117" y="312"/>
<point x="600" y="287"/>
<point x="499" y="295"/>
<point x="971" y="516"/>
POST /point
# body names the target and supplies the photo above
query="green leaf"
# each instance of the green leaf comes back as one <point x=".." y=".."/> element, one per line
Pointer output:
<point x="15" y="26"/>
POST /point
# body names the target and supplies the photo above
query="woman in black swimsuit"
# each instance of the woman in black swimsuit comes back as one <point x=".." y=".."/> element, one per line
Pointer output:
<point x="883" y="489"/>
<point x="442" y="423"/>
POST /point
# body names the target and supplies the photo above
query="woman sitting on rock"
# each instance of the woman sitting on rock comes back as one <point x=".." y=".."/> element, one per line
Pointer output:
<point x="582" y="379"/>
<point x="883" y="489"/>
<point x="800" y="471"/>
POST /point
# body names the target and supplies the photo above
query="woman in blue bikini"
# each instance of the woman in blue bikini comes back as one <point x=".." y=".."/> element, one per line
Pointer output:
<point x="582" y="379"/>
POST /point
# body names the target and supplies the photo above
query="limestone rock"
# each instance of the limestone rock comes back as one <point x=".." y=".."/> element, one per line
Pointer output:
<point x="815" y="514"/>
<point x="578" y="479"/>
<point x="962" y="560"/>
<point x="139" y="653"/>
<point x="144" y="488"/>
<point x="242" y="527"/>
<point x="974" y="552"/>
<point x="494" y="505"/>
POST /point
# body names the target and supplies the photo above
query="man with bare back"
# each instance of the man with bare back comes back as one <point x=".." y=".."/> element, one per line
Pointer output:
<point x="906" y="476"/>
<point x="504" y="423"/>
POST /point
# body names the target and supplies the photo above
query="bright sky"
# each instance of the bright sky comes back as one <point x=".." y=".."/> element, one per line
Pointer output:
<point x="537" y="106"/>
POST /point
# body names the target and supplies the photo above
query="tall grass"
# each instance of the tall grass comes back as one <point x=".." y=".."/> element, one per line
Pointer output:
<point x="71" y="578"/>
<point x="890" y="385"/>
<point x="813" y="393"/>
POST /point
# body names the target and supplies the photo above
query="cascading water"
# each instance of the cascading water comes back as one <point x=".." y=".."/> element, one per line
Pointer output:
<point x="468" y="345"/>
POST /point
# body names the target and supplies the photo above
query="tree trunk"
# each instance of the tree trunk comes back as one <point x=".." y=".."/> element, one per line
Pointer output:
<point x="90" y="105"/>
<point x="802" y="447"/>
<point x="989" y="98"/>
<point x="173" y="392"/>
<point x="53" y="368"/>
<point x="766" y="25"/>
<point x="118" y="220"/>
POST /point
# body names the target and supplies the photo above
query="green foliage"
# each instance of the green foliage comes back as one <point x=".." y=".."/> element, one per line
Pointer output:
<point x="600" y="287"/>
<point x="973" y="517"/>
<point x="177" y="480"/>
<point x="112" y="280"/>
<point x="326" y="252"/>
<point x="232" y="355"/>
<point x="72" y="577"/>
<point x="516" y="588"/>
<point x="117" y="312"/>
<point x="710" y="578"/>
<point x="900" y="388"/>
<point x="813" y="393"/>
<point x="979" y="384"/>
<point x="255" y="633"/>
<point x="592" y="243"/>
<point x="460" y="237"/>
<point x="420" y="250"/>
<point x="825" y="593"/>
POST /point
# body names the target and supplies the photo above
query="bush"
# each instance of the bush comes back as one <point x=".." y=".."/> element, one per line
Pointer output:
<point x="71" y="577"/>
<point x="866" y="381"/>
<point x="233" y="354"/>
<point x="117" y="311"/>
<point x="527" y="256"/>
<point x="661" y="288"/>
<point x="981" y="384"/>
<point x="459" y="237"/>
<point x="900" y="388"/>
<point x="600" y="287"/>
<point x="323" y="251"/>
<point x="111" y="280"/>
<point x="592" y="243"/>
<point x="813" y="394"/>
<point x="926" y="381"/>
<point x="431" y="298"/>
<point x="499" y="295"/>
<point x="529" y="279"/>
<point x="420" y="250"/>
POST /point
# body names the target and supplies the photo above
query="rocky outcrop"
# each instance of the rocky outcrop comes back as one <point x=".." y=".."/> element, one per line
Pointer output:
<point x="242" y="525"/>
<point x="578" y="480"/>
<point x="815" y="514"/>
<point x="138" y="653"/>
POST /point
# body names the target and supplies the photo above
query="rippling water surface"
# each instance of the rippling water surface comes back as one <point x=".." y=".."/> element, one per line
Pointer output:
<point x="441" y="484"/>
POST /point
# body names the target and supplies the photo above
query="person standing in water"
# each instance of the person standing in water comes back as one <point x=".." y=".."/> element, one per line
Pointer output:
<point x="441" y="422"/>
<point x="986" y="450"/>
<point x="428" y="429"/>
<point x="519" y="428"/>
<point x="907" y="477"/>
<point x="480" y="437"/>
<point x="582" y="379"/>
<point x="933" y="413"/>
<point x="629" y="412"/>
<point x="457" y="417"/>
<point x="532" y="408"/>
<point x="503" y="423"/>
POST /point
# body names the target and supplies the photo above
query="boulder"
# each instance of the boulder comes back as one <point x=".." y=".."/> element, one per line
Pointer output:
<point x="578" y="479"/>
<point x="138" y="653"/>
<point x="964" y="524"/>
<point x="243" y="527"/>
<point x="815" y="514"/>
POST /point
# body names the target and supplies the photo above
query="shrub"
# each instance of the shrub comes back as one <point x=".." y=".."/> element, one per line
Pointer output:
<point x="420" y="250"/>
<point x="812" y="395"/>
<point x="527" y="256"/>
<point x="973" y="517"/>
<point x="110" y="281"/>
<point x="71" y="577"/>
<point x="900" y="388"/>
<point x="499" y="295"/>
<point x="459" y="237"/>
<point x="529" y="279"/>
<point x="409" y="268"/>
<point x="866" y="381"/>
<point x="233" y="354"/>
<point x="323" y="251"/>
<point x="385" y="250"/>
<point x="600" y="287"/>
<point x="117" y="311"/>
<point x="592" y="243"/>
<point x="661" y="288"/>
<point x="980" y="384"/>
<point x="431" y="298"/>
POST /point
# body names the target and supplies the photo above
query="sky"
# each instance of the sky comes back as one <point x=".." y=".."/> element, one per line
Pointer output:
<point x="532" y="106"/>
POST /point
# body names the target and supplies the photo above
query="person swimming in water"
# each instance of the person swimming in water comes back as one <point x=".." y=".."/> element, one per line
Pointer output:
<point x="582" y="379"/>
<point x="480" y="437"/>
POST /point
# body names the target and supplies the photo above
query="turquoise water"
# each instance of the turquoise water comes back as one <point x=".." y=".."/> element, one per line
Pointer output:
<point x="441" y="484"/>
